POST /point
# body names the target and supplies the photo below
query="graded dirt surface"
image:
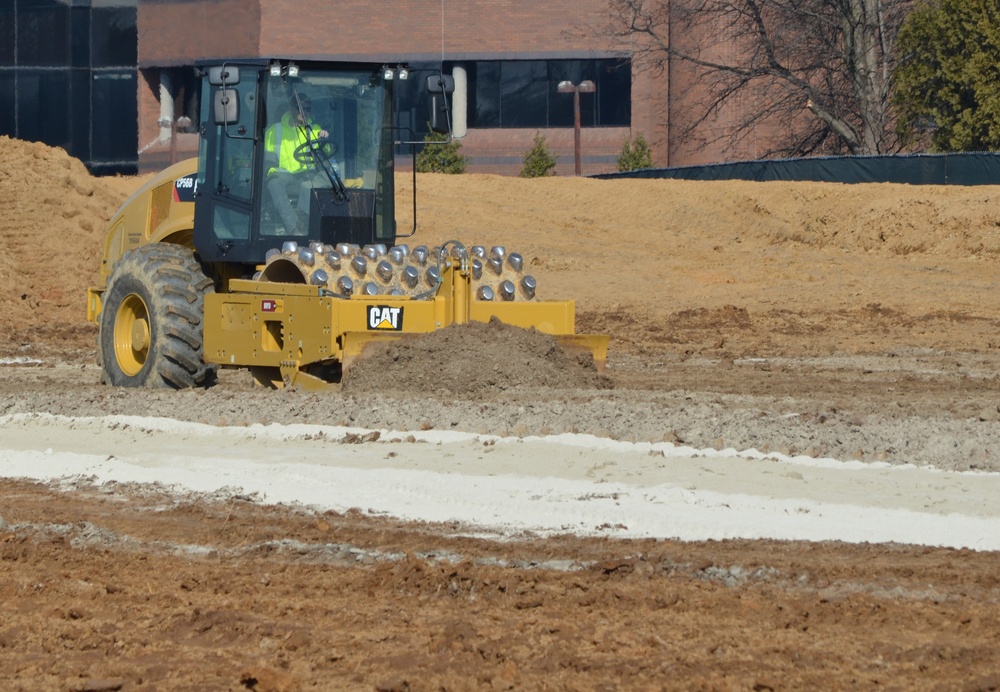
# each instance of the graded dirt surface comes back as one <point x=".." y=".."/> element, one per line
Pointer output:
<point x="825" y="321"/>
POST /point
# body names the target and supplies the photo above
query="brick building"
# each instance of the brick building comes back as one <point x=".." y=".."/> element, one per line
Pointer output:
<point x="513" y="53"/>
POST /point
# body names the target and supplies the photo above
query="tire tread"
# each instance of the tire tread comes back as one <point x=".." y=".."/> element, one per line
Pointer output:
<point x="176" y="287"/>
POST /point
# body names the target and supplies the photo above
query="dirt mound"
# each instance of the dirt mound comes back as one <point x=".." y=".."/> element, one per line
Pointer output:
<point x="725" y="268"/>
<point x="53" y="214"/>
<point x="476" y="360"/>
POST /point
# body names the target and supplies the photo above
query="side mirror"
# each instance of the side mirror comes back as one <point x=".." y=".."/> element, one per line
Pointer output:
<point x="440" y="86"/>
<point x="226" y="75"/>
<point x="225" y="106"/>
<point x="440" y="83"/>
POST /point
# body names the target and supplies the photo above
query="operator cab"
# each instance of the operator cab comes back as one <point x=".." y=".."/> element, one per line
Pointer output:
<point x="293" y="152"/>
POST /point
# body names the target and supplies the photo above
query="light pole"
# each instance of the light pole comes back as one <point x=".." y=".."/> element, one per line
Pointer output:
<point x="584" y="87"/>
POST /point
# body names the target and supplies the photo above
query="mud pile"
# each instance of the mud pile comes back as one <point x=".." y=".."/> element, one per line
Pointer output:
<point x="726" y="268"/>
<point x="476" y="360"/>
<point x="53" y="214"/>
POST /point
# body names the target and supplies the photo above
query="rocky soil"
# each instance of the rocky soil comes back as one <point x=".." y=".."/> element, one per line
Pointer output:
<point x="852" y="322"/>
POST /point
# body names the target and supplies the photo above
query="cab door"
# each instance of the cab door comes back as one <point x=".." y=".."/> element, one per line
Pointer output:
<point x="224" y="210"/>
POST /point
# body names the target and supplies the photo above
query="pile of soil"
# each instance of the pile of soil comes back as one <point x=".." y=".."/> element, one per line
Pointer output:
<point x="728" y="269"/>
<point x="475" y="360"/>
<point x="740" y="268"/>
<point x="53" y="216"/>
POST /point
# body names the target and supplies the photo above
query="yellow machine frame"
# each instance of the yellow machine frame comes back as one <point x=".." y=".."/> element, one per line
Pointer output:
<point x="287" y="328"/>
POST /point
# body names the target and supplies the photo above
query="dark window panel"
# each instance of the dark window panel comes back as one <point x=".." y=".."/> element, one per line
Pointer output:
<point x="7" y="120"/>
<point x="43" y="107"/>
<point x="524" y="94"/>
<point x="23" y="5"/>
<point x="614" y="93"/>
<point x="114" y="37"/>
<point x="43" y="37"/>
<point x="79" y="108"/>
<point x="561" y="113"/>
<point x="484" y="84"/>
<point x="6" y="36"/>
<point x="114" y="116"/>
<point x="79" y="37"/>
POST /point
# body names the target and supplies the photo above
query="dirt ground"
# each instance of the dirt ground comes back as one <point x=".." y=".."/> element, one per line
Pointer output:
<point x="855" y="322"/>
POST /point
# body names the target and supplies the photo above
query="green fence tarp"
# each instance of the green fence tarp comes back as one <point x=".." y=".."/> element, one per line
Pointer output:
<point x="915" y="169"/>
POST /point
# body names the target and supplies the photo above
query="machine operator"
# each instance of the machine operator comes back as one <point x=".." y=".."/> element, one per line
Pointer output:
<point x="290" y="165"/>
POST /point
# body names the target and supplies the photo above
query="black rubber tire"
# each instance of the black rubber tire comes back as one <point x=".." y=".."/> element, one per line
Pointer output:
<point x="152" y="320"/>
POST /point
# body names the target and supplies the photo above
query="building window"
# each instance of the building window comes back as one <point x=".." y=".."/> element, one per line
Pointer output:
<point x="114" y="131"/>
<point x="43" y="99"/>
<point x="7" y="32"/>
<point x="68" y="78"/>
<point x="113" y="37"/>
<point x="43" y="35"/>
<point x="522" y="94"/>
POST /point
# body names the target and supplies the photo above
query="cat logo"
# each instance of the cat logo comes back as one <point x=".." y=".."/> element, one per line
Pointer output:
<point x="385" y="317"/>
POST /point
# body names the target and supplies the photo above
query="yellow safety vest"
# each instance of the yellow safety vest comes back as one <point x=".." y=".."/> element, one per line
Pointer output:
<point x="284" y="138"/>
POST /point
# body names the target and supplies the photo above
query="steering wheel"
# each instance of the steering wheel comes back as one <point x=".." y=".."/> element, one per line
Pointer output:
<point x="319" y="151"/>
<point x="313" y="148"/>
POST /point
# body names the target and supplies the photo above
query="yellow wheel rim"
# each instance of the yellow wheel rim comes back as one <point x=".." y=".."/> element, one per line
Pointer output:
<point x="132" y="335"/>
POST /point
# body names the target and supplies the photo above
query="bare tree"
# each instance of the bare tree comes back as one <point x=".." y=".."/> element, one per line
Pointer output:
<point x="817" y="71"/>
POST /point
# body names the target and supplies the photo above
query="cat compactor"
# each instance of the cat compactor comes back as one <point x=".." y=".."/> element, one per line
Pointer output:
<point x="276" y="249"/>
